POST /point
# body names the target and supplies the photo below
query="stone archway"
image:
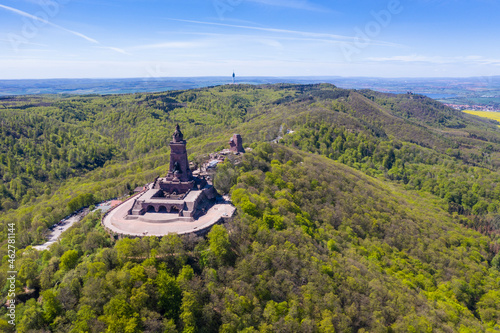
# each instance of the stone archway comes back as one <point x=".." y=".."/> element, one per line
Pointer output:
<point x="162" y="209"/>
<point x="174" y="210"/>
<point x="151" y="209"/>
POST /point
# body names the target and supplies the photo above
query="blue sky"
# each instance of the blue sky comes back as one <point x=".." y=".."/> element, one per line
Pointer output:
<point x="162" y="38"/>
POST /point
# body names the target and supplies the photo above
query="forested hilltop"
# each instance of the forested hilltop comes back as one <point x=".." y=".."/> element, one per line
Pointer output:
<point x="358" y="211"/>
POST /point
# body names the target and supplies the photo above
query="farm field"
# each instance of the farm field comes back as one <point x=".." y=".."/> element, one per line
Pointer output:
<point x="485" y="114"/>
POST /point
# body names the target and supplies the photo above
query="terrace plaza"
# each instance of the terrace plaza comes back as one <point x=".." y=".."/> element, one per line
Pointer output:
<point x="177" y="203"/>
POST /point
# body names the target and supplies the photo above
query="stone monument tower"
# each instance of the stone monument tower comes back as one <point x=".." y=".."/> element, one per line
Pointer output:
<point x="179" y="179"/>
<point x="179" y="165"/>
<point x="180" y="195"/>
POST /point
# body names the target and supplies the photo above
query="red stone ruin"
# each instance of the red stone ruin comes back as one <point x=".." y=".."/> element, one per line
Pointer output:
<point x="236" y="144"/>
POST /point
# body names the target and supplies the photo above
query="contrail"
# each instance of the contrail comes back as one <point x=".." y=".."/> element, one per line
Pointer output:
<point x="302" y="33"/>
<point x="116" y="49"/>
<point x="20" y="12"/>
<point x="76" y="33"/>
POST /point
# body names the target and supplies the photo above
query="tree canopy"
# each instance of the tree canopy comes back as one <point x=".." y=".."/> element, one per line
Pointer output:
<point x="357" y="211"/>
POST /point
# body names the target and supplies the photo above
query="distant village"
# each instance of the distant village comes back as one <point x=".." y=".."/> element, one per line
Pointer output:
<point x="490" y="108"/>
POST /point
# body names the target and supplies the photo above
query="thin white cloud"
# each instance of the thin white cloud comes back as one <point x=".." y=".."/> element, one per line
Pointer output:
<point x="329" y="37"/>
<point x="33" y="17"/>
<point x="270" y="42"/>
<point x="16" y="68"/>
<point x="225" y="39"/>
<point x="302" y="5"/>
<point x="116" y="49"/>
<point x="478" y="60"/>
<point x="39" y="2"/>
<point x="410" y="58"/>
<point x="7" y="40"/>
<point x="284" y="38"/>
<point x="220" y="40"/>
<point x="489" y="61"/>
<point x="171" y="45"/>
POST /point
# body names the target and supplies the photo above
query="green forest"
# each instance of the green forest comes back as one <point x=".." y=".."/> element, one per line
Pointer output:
<point x="357" y="211"/>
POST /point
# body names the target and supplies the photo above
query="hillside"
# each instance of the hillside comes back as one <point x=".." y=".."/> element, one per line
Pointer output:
<point x="370" y="212"/>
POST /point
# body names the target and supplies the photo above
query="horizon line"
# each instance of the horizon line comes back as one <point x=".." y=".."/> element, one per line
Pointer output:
<point x="229" y="77"/>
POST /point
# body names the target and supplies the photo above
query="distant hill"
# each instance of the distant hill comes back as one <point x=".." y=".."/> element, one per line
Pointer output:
<point x="358" y="211"/>
<point x="481" y="91"/>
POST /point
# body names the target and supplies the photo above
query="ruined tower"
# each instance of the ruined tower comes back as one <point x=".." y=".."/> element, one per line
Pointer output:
<point x="236" y="144"/>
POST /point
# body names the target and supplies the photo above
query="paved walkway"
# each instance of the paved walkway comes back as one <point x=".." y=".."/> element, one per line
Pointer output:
<point x="61" y="227"/>
<point x="115" y="221"/>
<point x="65" y="224"/>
